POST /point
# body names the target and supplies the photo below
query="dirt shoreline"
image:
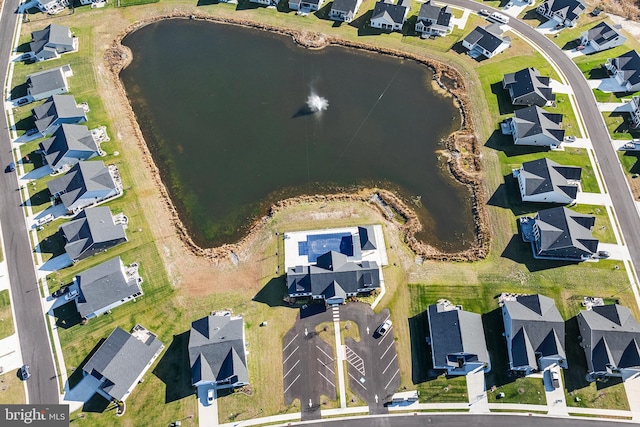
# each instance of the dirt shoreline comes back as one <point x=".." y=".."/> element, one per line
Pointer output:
<point x="461" y="150"/>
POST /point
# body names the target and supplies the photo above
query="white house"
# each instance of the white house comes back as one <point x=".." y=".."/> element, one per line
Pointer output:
<point x="305" y="5"/>
<point x="52" y="42"/>
<point x="487" y="41"/>
<point x="635" y="111"/>
<point x="626" y="70"/>
<point x="44" y="84"/>
<point x="434" y="20"/>
<point x="546" y="181"/>
<point x="52" y="6"/>
<point x="535" y="126"/>
<point x="344" y="10"/>
<point x="389" y="16"/>
<point x="564" y="12"/>
<point x="69" y="145"/>
<point x="602" y="37"/>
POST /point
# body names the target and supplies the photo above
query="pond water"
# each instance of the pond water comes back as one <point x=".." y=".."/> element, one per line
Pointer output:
<point x="224" y="111"/>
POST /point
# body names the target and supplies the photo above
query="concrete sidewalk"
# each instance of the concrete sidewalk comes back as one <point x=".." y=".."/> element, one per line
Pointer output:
<point x="478" y="402"/>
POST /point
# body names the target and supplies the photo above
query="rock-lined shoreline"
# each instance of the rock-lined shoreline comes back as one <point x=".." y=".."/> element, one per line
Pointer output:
<point x="461" y="151"/>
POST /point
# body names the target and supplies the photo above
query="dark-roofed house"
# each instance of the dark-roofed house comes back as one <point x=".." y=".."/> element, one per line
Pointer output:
<point x="560" y="233"/>
<point x="534" y="330"/>
<point x="93" y="230"/>
<point x="487" y="41"/>
<point x="122" y="360"/>
<point x="55" y="111"/>
<point x="610" y="336"/>
<point x="535" y="126"/>
<point x="434" y="20"/>
<point x="305" y="5"/>
<point x="106" y="286"/>
<point x="217" y="352"/>
<point x="344" y="10"/>
<point x="564" y="12"/>
<point x="44" y="84"/>
<point x="51" y="42"/>
<point x="67" y="146"/>
<point x="635" y="111"/>
<point x="85" y="184"/>
<point x="626" y="70"/>
<point x="52" y="6"/>
<point x="389" y="16"/>
<point x="602" y="37"/>
<point x="457" y="339"/>
<point x="544" y="180"/>
<point x="367" y="238"/>
<point x="333" y="278"/>
<point x="528" y="87"/>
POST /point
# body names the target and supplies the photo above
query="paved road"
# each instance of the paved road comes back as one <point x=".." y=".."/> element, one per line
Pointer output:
<point x="614" y="177"/>
<point x="34" y="340"/>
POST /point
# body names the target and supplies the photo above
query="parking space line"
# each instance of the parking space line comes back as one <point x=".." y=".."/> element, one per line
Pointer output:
<point x="295" y="364"/>
<point x="394" y="375"/>
<point x="334" y="386"/>
<point x="394" y="358"/>
<point x="323" y="352"/>
<point x="385" y="335"/>
<point x="296" y="379"/>
<point x="356" y="361"/>
<point x="289" y="356"/>
<point x="362" y="385"/>
<point x="326" y="366"/>
<point x="385" y="352"/>
<point x="290" y="342"/>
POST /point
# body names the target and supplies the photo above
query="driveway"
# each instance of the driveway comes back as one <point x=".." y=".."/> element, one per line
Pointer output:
<point x="207" y="412"/>
<point x="606" y="85"/>
<point x="555" y="395"/>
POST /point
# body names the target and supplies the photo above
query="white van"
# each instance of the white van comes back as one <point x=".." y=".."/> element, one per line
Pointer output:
<point x="498" y="17"/>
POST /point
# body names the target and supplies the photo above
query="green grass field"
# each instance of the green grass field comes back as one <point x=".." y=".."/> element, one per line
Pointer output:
<point x="6" y="318"/>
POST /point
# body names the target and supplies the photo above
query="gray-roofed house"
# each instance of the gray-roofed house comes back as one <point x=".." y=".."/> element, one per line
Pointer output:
<point x="390" y="16"/>
<point x="305" y="5"/>
<point x="85" y="184"/>
<point x="52" y="42"/>
<point x="56" y="110"/>
<point x="635" y="111"/>
<point x="122" y="360"/>
<point x="434" y="20"/>
<point x="487" y="41"/>
<point x="69" y="145"/>
<point x="52" y="6"/>
<point x="457" y="339"/>
<point x="534" y="330"/>
<point x="217" y="352"/>
<point x="535" y="126"/>
<point x="626" y="70"/>
<point x="610" y="336"/>
<point x="560" y="233"/>
<point x="564" y="12"/>
<point x="344" y="10"/>
<point x="367" y="238"/>
<point x="528" y="87"/>
<point x="546" y="181"/>
<point x="602" y="37"/>
<point x="106" y="286"/>
<point x="265" y="2"/>
<point x="93" y="230"/>
<point x="333" y="278"/>
<point x="44" y="84"/>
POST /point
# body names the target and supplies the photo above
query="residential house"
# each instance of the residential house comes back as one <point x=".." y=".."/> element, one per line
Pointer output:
<point x="52" y="6"/>
<point x="635" y="111"/>
<point x="333" y="278"/>
<point x="92" y="231"/>
<point x="122" y="360"/>
<point x="85" y="184"/>
<point x="457" y="339"/>
<point x="528" y="87"/>
<point x="305" y="5"/>
<point x="487" y="41"/>
<point x="610" y="336"/>
<point x="344" y="10"/>
<point x="560" y="233"/>
<point x="105" y="287"/>
<point x="52" y="42"/>
<point x="602" y="37"/>
<point x="535" y="126"/>
<point x="434" y="20"/>
<point x="217" y="352"/>
<point x="44" y="84"/>
<point x="264" y="2"/>
<point x="564" y="12"/>
<point x="390" y="16"/>
<point x="534" y="330"/>
<point x="56" y="110"/>
<point x="546" y="181"/>
<point x="626" y="70"/>
<point x="67" y="146"/>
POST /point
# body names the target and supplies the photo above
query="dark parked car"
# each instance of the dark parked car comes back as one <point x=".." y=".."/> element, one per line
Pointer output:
<point x="10" y="167"/>
<point x="63" y="290"/>
<point x="24" y="372"/>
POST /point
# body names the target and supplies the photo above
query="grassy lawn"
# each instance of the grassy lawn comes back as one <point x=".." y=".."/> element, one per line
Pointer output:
<point x="348" y="329"/>
<point x="569" y="120"/>
<point x="443" y="44"/>
<point x="619" y="126"/>
<point x="6" y="319"/>
<point x="11" y="389"/>
<point x="603" y="229"/>
<point x="568" y="38"/>
<point x="523" y="391"/>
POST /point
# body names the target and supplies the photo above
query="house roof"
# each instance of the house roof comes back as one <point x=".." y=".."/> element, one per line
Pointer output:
<point x="545" y="176"/>
<point x="54" y="34"/>
<point x="56" y="107"/>
<point x="455" y="332"/>
<point x="344" y="5"/>
<point x="602" y="33"/>
<point x="121" y="359"/>
<point x="565" y="231"/>
<point x="46" y="81"/>
<point x="91" y="226"/>
<point x="217" y="349"/>
<point x="489" y="38"/>
<point x="103" y="285"/>
<point x="332" y="275"/>
<point x="568" y="9"/>
<point x="628" y="65"/>
<point x="613" y="335"/>
<point x="537" y="329"/>
<point x="367" y="238"/>
<point x="635" y="103"/>
<point x="67" y="138"/>
<point x="83" y="177"/>
<point x="438" y="15"/>
<point x="534" y="120"/>
<point x="390" y="12"/>
<point x="529" y="82"/>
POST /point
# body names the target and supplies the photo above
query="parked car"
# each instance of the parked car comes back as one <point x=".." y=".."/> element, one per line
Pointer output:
<point x="71" y="295"/>
<point x="10" y="167"/>
<point x="508" y="5"/>
<point x="32" y="131"/>
<point x="23" y="101"/>
<point x="483" y="12"/>
<point x="384" y="328"/>
<point x="555" y="379"/>
<point x="63" y="290"/>
<point x="603" y="254"/>
<point x="210" y="396"/>
<point x="24" y="372"/>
